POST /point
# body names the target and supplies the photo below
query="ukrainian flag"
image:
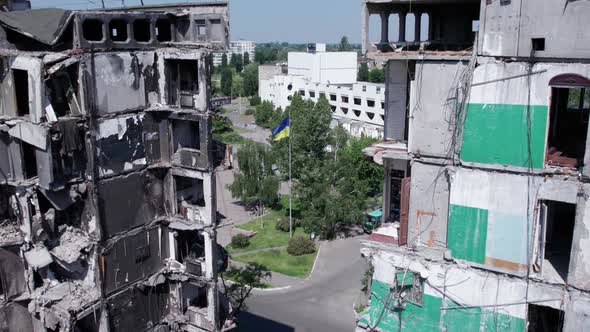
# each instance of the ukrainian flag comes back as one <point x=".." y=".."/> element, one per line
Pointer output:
<point x="281" y="131"/>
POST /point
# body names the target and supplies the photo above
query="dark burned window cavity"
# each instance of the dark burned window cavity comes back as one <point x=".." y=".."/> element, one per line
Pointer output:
<point x="21" y="91"/>
<point x="370" y="103"/>
<point x="544" y="319"/>
<point x="142" y="30"/>
<point x="568" y="127"/>
<point x="183" y="29"/>
<point x="118" y="30"/>
<point x="186" y="135"/>
<point x="538" y="44"/>
<point x="163" y="30"/>
<point x="312" y="94"/>
<point x="29" y="160"/>
<point x="92" y="30"/>
<point x="189" y="195"/>
<point x="556" y="222"/>
<point x="189" y="244"/>
<point x="357" y="101"/>
<point x="201" y="29"/>
<point x="182" y="82"/>
<point x="63" y="92"/>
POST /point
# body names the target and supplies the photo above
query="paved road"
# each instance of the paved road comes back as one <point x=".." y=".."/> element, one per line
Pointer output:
<point x="323" y="303"/>
<point x="245" y="123"/>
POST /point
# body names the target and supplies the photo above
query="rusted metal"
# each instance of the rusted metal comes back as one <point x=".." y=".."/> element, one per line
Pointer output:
<point x="404" y="210"/>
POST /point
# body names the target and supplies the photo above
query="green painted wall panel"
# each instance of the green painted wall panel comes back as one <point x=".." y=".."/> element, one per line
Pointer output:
<point x="427" y="317"/>
<point x="467" y="233"/>
<point x="462" y="320"/>
<point x="497" y="134"/>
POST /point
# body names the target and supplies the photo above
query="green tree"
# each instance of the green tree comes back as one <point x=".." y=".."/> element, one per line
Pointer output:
<point x="264" y="112"/>
<point x="244" y="280"/>
<point x="239" y="63"/>
<point x="250" y="75"/>
<point x="237" y="86"/>
<point x="224" y="60"/>
<point x="226" y="81"/>
<point x="344" y="45"/>
<point x="255" y="182"/>
<point x="310" y="134"/>
<point x="233" y="60"/>
<point x="376" y="75"/>
<point x="246" y="59"/>
<point x="363" y="74"/>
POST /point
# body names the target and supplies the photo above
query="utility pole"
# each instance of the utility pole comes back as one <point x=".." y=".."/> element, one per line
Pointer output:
<point x="102" y="4"/>
<point x="290" y="179"/>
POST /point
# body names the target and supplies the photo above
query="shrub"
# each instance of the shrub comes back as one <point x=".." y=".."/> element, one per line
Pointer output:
<point x="300" y="245"/>
<point x="255" y="100"/>
<point x="249" y="111"/>
<point x="240" y="241"/>
<point x="283" y="225"/>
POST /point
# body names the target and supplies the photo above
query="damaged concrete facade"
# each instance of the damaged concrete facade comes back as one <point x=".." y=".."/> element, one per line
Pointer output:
<point x="107" y="200"/>
<point x="486" y="189"/>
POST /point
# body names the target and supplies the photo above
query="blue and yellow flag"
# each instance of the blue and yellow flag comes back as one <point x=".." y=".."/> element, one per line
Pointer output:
<point x="281" y="131"/>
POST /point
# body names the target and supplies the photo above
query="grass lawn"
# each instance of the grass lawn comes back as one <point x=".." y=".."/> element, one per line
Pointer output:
<point x="280" y="261"/>
<point x="267" y="236"/>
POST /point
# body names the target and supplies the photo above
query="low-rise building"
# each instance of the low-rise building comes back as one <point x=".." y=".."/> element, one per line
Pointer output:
<point x="485" y="191"/>
<point x="357" y="106"/>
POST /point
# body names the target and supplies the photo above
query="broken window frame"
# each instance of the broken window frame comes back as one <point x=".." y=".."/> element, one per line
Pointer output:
<point x="540" y="237"/>
<point x="177" y="96"/>
<point x="532" y="314"/>
<point x="196" y="207"/>
<point x="86" y="27"/>
<point x="116" y="26"/>
<point x="139" y="24"/>
<point x="70" y="96"/>
<point x="559" y="84"/>
<point x="163" y="30"/>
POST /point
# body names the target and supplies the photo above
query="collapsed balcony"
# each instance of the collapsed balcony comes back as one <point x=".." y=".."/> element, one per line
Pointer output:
<point x="422" y="25"/>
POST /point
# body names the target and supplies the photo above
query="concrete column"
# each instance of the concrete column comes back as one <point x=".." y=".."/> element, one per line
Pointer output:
<point x="210" y="198"/>
<point x="210" y="263"/>
<point x="384" y="28"/>
<point x="365" y="28"/>
<point x="417" y="26"/>
<point x="402" y="26"/>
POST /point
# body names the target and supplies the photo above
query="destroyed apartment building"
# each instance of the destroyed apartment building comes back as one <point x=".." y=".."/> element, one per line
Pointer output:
<point x="107" y="201"/>
<point x="486" y="202"/>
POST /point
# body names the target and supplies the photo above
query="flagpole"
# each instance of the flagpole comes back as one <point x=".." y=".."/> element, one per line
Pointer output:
<point x="290" y="180"/>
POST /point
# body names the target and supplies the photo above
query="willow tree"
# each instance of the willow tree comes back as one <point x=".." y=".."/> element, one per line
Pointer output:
<point x="255" y="182"/>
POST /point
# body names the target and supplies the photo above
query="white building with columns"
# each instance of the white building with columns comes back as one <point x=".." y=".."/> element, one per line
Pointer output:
<point x="357" y="106"/>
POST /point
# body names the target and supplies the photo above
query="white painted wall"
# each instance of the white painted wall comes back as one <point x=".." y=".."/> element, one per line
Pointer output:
<point x="324" y="67"/>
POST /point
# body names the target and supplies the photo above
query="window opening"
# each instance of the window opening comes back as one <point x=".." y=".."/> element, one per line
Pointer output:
<point x="201" y="28"/>
<point x="568" y="126"/>
<point x="544" y="319"/>
<point x="332" y="97"/>
<point x="344" y="99"/>
<point x="312" y="94"/>
<point x="302" y="93"/>
<point x="182" y="81"/>
<point x="370" y="115"/>
<point x="189" y="196"/>
<point x="21" y="91"/>
<point x="29" y="160"/>
<point x="118" y="30"/>
<point x="344" y="110"/>
<point x="92" y="30"/>
<point x="142" y="30"/>
<point x="357" y="113"/>
<point x="186" y="135"/>
<point x="556" y="230"/>
<point x="370" y="103"/>
<point x="357" y="101"/>
<point x="163" y="30"/>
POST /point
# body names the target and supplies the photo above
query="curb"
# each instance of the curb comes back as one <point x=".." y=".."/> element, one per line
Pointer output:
<point x="317" y="256"/>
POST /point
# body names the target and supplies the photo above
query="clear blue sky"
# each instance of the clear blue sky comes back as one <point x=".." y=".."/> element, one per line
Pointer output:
<point x="296" y="21"/>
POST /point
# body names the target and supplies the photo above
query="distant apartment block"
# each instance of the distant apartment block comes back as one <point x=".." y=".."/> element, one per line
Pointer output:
<point x="237" y="47"/>
<point x="357" y="106"/>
